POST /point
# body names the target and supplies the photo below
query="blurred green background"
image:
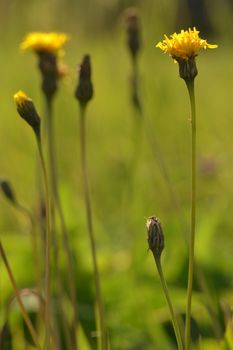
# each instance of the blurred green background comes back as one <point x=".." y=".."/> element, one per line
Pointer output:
<point x="127" y="184"/>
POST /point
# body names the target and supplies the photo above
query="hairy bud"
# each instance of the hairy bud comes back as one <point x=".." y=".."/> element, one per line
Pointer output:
<point x="84" y="91"/>
<point x="187" y="69"/>
<point x="155" y="236"/>
<point x="27" y="110"/>
<point x="50" y="73"/>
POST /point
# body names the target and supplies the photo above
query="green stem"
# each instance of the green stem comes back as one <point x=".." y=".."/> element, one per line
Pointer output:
<point x="47" y="246"/>
<point x="166" y="293"/>
<point x="57" y="202"/>
<point x="90" y="230"/>
<point x="190" y="86"/>
<point x="19" y="300"/>
<point x="134" y="88"/>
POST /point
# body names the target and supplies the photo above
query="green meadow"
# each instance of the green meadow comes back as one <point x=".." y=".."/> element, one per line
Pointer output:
<point x="139" y="166"/>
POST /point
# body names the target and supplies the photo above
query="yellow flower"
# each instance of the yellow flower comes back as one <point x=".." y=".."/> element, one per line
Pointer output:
<point x="27" y="111"/>
<point x="185" y="45"/>
<point x="20" y="98"/>
<point x="44" y="42"/>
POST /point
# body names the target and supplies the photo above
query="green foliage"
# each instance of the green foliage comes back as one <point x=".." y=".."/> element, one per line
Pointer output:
<point x="125" y="189"/>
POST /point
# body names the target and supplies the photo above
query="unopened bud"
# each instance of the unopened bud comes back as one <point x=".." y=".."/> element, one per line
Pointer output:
<point x="187" y="69"/>
<point x="27" y="111"/>
<point x="84" y="91"/>
<point x="155" y="236"/>
<point x="7" y="190"/>
<point x="50" y="73"/>
<point x="133" y="31"/>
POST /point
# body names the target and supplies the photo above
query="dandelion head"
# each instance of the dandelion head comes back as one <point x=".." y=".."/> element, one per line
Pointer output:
<point x="184" y="45"/>
<point x="183" y="48"/>
<point x="45" y="42"/>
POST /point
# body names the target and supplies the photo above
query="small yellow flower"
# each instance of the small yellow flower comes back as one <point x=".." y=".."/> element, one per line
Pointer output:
<point x="185" y="45"/>
<point x="20" y="98"/>
<point x="44" y="42"/>
<point x="27" y="111"/>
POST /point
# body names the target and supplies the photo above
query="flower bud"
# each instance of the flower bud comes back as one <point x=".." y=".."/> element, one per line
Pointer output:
<point x="84" y="91"/>
<point x="155" y="236"/>
<point x="49" y="72"/>
<point x="27" y="111"/>
<point x="7" y="190"/>
<point x="133" y="31"/>
<point x="187" y="69"/>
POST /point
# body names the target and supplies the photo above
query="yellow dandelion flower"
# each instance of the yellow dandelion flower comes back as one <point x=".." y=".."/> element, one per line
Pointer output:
<point x="185" y="45"/>
<point x="44" y="42"/>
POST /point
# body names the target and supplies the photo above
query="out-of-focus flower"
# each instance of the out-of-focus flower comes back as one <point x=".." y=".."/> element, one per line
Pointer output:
<point x="45" y="42"/>
<point x="48" y="46"/>
<point x="208" y="166"/>
<point x="63" y="70"/>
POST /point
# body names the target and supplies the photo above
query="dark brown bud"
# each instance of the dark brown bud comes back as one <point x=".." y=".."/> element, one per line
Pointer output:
<point x="155" y="236"/>
<point x="133" y="31"/>
<point x="49" y="71"/>
<point x="27" y="110"/>
<point x="187" y="69"/>
<point x="84" y="91"/>
<point x="7" y="190"/>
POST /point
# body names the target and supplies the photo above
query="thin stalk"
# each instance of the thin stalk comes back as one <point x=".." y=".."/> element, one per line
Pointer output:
<point x="99" y="301"/>
<point x="190" y="86"/>
<point x="47" y="247"/>
<point x="25" y="315"/>
<point x="134" y="88"/>
<point x="57" y="202"/>
<point x="166" y="293"/>
<point x="138" y="118"/>
<point x="54" y="242"/>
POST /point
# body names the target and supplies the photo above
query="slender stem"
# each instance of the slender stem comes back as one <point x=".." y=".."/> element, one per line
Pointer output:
<point x="90" y="230"/>
<point x="166" y="293"/>
<point x="57" y="202"/>
<point x="190" y="86"/>
<point x="134" y="88"/>
<point x="47" y="246"/>
<point x="19" y="300"/>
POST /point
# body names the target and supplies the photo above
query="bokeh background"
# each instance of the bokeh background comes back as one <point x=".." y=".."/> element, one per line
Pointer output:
<point x="127" y="181"/>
